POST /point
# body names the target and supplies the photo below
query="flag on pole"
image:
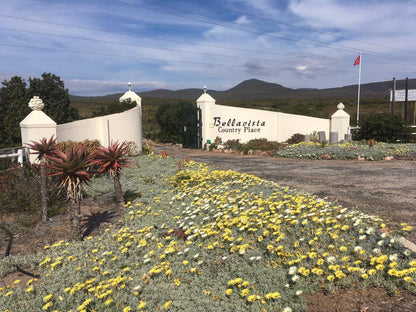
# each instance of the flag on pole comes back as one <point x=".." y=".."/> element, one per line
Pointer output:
<point x="357" y="60"/>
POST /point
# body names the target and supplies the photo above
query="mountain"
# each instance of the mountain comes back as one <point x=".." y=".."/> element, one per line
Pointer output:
<point x="258" y="89"/>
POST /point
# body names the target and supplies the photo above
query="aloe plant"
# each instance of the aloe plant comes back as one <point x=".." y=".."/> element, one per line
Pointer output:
<point x="72" y="169"/>
<point x="43" y="148"/>
<point x="111" y="160"/>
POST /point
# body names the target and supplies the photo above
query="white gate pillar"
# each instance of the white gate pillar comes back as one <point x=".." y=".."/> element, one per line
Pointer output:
<point x="340" y="122"/>
<point x="206" y="103"/>
<point x="37" y="125"/>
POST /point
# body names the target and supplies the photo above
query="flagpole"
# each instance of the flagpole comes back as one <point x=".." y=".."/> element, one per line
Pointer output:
<point x="359" y="85"/>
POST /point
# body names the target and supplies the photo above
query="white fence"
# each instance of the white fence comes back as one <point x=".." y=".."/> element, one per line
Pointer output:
<point x="19" y="154"/>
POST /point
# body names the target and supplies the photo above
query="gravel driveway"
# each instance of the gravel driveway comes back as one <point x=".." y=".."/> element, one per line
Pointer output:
<point x="383" y="188"/>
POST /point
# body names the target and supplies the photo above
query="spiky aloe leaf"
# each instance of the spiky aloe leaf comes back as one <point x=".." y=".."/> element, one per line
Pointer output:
<point x="44" y="147"/>
<point x="72" y="169"/>
<point x="111" y="159"/>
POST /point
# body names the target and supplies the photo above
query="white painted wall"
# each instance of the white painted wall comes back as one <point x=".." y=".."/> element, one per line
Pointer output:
<point x="244" y="124"/>
<point x="125" y="126"/>
<point x="289" y="124"/>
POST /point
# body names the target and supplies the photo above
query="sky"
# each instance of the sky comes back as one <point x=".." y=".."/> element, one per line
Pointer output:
<point x="97" y="46"/>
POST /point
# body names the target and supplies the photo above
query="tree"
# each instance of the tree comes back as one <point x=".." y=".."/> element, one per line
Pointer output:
<point x="50" y="88"/>
<point x="71" y="168"/>
<point x="384" y="128"/>
<point x="111" y="160"/>
<point x="14" y="101"/>
<point x="168" y="117"/>
<point x="13" y="108"/>
<point x="43" y="148"/>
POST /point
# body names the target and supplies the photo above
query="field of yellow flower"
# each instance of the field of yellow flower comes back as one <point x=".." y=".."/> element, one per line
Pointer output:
<point x="201" y="239"/>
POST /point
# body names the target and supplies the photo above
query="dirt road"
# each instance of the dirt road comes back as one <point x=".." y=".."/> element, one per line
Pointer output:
<point x="383" y="188"/>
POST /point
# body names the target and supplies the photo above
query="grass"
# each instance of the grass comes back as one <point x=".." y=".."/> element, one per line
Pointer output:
<point x="210" y="240"/>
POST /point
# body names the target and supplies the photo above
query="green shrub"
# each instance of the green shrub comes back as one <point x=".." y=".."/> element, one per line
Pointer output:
<point x="296" y="138"/>
<point x="384" y="128"/>
<point x="233" y="144"/>
<point x="263" y="145"/>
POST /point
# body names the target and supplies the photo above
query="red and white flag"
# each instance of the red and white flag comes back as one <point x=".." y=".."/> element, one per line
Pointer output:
<point x="357" y="60"/>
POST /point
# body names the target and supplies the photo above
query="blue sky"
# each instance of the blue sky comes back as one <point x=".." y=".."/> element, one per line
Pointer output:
<point x="97" y="46"/>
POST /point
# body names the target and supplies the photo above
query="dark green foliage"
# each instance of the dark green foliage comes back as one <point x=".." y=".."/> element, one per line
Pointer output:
<point x="114" y="107"/>
<point x="263" y="145"/>
<point x="50" y="88"/>
<point x="384" y="128"/>
<point x="233" y="144"/>
<point x="15" y="99"/>
<point x="169" y="119"/>
<point x="296" y="138"/>
<point x="13" y="109"/>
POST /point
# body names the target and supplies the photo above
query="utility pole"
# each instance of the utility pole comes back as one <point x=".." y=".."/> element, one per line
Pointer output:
<point x="405" y="98"/>
<point x="393" y="97"/>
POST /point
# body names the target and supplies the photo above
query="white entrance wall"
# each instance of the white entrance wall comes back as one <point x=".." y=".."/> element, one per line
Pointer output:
<point x="125" y="126"/>
<point x="244" y="124"/>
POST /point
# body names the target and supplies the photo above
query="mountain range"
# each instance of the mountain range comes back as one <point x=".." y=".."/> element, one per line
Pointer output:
<point x="258" y="89"/>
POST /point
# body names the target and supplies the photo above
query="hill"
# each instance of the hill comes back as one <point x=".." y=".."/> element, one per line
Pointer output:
<point x="258" y="89"/>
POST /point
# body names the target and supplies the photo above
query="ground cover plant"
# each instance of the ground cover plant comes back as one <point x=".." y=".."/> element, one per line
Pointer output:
<point x="354" y="150"/>
<point x="202" y="239"/>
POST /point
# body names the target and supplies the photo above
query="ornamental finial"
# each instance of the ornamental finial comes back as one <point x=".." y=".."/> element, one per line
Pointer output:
<point x="205" y="89"/>
<point x="36" y="103"/>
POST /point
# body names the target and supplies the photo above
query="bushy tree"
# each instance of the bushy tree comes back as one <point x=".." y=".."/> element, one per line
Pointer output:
<point x="14" y="100"/>
<point x="13" y="108"/>
<point x="169" y="119"/>
<point x="50" y="88"/>
<point x="384" y="128"/>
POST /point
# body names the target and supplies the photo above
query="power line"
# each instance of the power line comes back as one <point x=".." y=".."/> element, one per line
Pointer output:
<point x="145" y="36"/>
<point x="301" y="27"/>
<point x="295" y="39"/>
<point x="136" y="45"/>
<point x="113" y="55"/>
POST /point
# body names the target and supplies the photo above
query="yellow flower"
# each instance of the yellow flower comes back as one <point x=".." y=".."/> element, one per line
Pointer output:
<point x="364" y="275"/>
<point x="167" y="304"/>
<point x="127" y="309"/>
<point x="244" y="292"/>
<point x="251" y="298"/>
<point x="229" y="292"/>
<point x="108" y="301"/>
<point x="46" y="306"/>
<point x="47" y="298"/>
<point x="141" y="305"/>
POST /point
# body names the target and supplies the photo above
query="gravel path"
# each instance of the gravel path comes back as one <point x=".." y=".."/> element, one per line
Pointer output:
<point x="383" y="188"/>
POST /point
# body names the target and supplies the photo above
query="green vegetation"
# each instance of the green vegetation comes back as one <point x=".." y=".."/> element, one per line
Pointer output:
<point x="14" y="101"/>
<point x="384" y="128"/>
<point x="211" y="240"/>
